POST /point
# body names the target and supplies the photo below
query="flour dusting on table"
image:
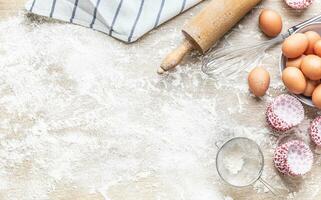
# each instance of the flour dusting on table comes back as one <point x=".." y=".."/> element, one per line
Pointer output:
<point x="84" y="116"/>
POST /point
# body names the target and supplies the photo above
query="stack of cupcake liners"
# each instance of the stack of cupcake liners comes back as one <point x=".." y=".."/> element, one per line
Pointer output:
<point x="293" y="157"/>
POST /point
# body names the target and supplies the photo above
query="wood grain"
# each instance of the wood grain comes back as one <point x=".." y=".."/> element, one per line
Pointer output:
<point x="10" y="7"/>
<point x="250" y="107"/>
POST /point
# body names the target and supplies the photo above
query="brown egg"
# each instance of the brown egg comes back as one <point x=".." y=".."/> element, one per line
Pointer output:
<point x="294" y="62"/>
<point x="295" y="45"/>
<point x="317" y="48"/>
<point x="316" y="96"/>
<point x="311" y="85"/>
<point x="311" y="67"/>
<point x="270" y="23"/>
<point x="294" y="80"/>
<point x="313" y="37"/>
<point x="259" y="81"/>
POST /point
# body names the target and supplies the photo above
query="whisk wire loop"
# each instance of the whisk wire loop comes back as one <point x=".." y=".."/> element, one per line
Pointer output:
<point x="233" y="59"/>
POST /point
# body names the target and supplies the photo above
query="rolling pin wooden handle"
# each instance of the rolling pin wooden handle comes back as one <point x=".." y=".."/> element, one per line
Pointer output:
<point x="207" y="27"/>
<point x="175" y="57"/>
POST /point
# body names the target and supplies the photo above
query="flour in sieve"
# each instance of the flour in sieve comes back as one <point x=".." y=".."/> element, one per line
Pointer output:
<point x="234" y="162"/>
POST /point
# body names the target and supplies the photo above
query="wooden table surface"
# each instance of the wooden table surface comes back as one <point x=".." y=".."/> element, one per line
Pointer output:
<point x="12" y="7"/>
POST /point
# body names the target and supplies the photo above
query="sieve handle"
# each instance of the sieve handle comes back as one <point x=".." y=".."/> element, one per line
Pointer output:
<point x="219" y="143"/>
<point x="268" y="186"/>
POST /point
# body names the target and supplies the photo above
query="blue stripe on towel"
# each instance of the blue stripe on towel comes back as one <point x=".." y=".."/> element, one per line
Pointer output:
<point x="183" y="6"/>
<point x="95" y="14"/>
<point x="74" y="11"/>
<point x="136" y="20"/>
<point x="32" y="5"/>
<point x="53" y="8"/>
<point x="115" y="17"/>
<point x="159" y="13"/>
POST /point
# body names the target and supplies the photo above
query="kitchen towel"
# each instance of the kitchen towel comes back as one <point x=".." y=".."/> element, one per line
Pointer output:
<point x="126" y="20"/>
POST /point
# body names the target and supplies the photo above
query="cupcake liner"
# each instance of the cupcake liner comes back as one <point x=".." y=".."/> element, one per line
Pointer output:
<point x="280" y="158"/>
<point x="284" y="113"/>
<point x="298" y="4"/>
<point x="293" y="158"/>
<point x="315" y="131"/>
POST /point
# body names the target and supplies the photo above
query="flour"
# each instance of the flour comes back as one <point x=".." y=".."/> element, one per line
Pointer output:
<point x="78" y="120"/>
<point x="234" y="163"/>
<point x="83" y="116"/>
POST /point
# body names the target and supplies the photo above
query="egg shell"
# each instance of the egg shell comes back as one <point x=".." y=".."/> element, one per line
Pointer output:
<point x="270" y="23"/>
<point x="294" y="62"/>
<point x="311" y="85"/>
<point x="294" y="80"/>
<point x="313" y="37"/>
<point x="259" y="81"/>
<point x="316" y="96"/>
<point x="295" y="45"/>
<point x="311" y="67"/>
<point x="317" y="48"/>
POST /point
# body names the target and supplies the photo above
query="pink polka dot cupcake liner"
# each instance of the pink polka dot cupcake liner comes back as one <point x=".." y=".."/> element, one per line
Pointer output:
<point x="299" y="4"/>
<point x="315" y="131"/>
<point x="293" y="158"/>
<point x="284" y="112"/>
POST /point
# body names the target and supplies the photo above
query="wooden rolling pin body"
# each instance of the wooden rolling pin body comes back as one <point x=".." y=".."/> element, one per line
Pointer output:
<point x="206" y="28"/>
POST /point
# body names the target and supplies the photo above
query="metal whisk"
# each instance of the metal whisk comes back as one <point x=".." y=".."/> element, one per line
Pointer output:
<point x="233" y="59"/>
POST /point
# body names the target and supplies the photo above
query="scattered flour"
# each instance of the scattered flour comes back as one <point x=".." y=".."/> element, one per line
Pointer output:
<point x="83" y="116"/>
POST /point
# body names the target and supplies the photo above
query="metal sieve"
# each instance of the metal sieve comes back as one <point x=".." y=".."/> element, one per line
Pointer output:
<point x="240" y="162"/>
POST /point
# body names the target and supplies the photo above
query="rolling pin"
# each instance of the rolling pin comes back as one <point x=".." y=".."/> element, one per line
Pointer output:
<point x="206" y="28"/>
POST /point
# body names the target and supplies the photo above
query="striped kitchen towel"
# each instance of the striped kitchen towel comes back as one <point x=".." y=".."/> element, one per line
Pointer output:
<point x="126" y="20"/>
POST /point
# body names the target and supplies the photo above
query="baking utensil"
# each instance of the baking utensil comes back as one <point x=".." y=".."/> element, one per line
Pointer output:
<point x="240" y="162"/>
<point x="230" y="60"/>
<point x="206" y="28"/>
<point x="312" y="26"/>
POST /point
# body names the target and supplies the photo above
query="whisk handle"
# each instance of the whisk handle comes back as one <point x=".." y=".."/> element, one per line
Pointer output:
<point x="309" y="21"/>
<point x="175" y="57"/>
